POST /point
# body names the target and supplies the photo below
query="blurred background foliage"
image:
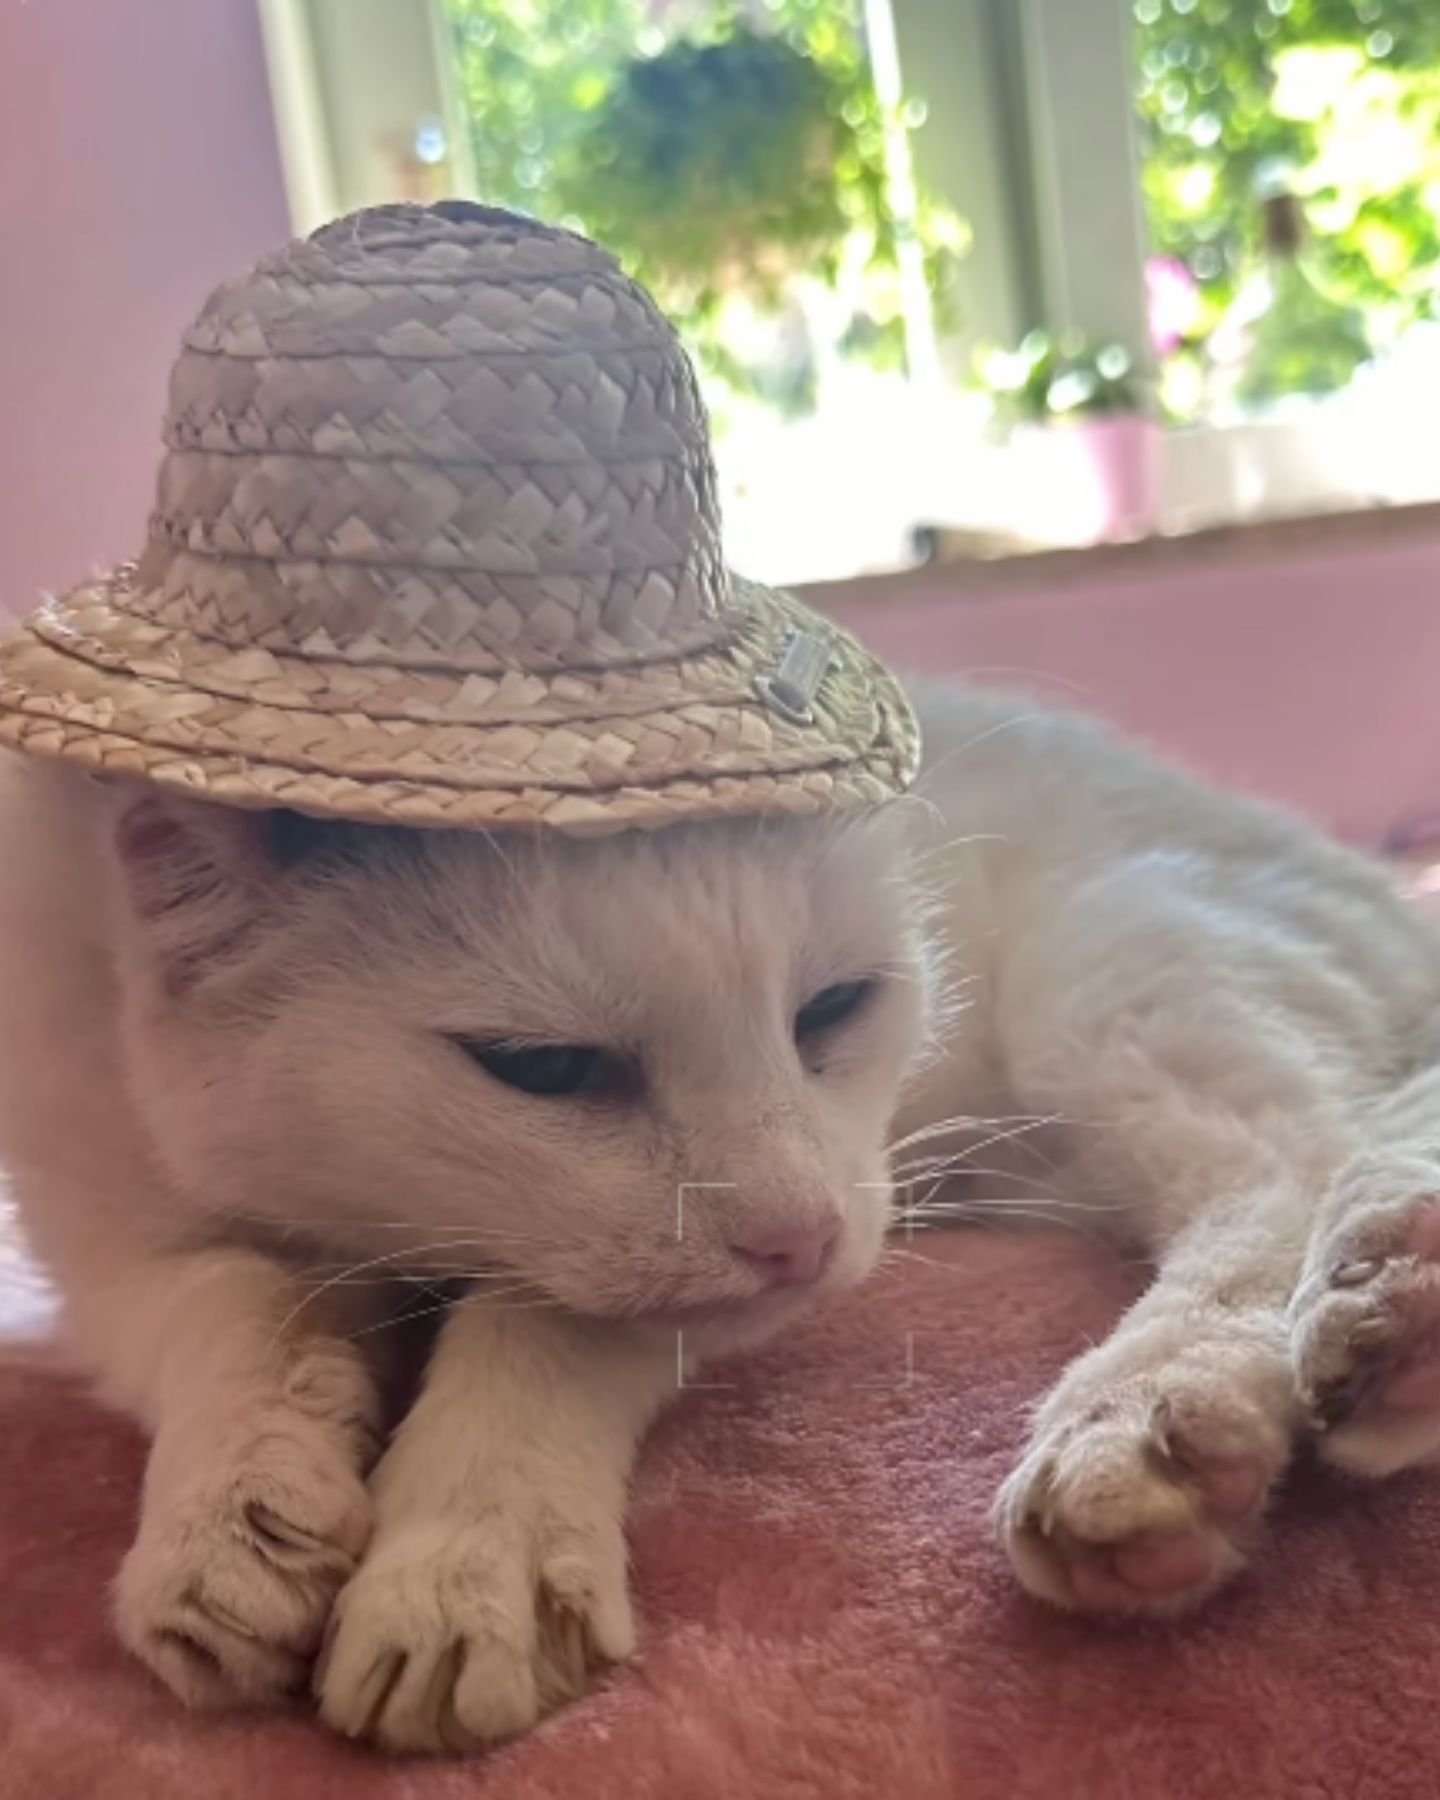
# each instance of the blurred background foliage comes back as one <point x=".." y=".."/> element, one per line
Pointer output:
<point x="734" y="154"/>
<point x="1336" y="102"/>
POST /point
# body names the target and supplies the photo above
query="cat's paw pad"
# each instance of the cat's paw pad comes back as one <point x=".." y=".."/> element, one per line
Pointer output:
<point x="1138" y="1508"/>
<point x="227" y="1589"/>
<point x="1366" y="1341"/>
<point x="454" y="1637"/>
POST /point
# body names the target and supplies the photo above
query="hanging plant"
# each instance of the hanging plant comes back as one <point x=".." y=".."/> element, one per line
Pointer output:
<point x="721" y="158"/>
<point x="723" y="169"/>
<point x="715" y="170"/>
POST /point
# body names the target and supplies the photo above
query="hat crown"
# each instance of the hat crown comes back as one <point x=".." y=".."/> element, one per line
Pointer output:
<point x="436" y="544"/>
<point x="439" y="436"/>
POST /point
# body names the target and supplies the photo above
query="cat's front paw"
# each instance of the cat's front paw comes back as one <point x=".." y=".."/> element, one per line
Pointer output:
<point x="1142" y="1499"/>
<point x="455" y="1635"/>
<point x="227" y="1589"/>
<point x="1366" y="1339"/>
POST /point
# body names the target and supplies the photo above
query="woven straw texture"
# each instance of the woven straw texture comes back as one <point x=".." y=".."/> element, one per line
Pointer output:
<point x="436" y="541"/>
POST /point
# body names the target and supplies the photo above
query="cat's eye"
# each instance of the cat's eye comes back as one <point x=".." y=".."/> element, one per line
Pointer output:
<point x="831" y="1007"/>
<point x="552" y="1070"/>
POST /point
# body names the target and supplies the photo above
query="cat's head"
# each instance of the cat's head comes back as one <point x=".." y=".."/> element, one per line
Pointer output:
<point x="649" y="1075"/>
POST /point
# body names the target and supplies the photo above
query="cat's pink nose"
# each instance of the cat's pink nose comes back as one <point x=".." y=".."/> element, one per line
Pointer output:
<point x="790" y="1257"/>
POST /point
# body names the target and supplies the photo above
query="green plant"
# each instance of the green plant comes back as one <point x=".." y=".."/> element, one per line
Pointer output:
<point x="1051" y="380"/>
<point x="714" y="167"/>
<point x="1305" y="343"/>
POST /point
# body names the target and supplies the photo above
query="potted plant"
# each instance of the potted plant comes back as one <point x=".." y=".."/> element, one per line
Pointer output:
<point x="730" y="168"/>
<point x="1084" y="442"/>
<point x="713" y="164"/>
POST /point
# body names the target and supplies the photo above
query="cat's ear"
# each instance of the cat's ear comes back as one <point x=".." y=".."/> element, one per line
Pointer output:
<point x="199" y="879"/>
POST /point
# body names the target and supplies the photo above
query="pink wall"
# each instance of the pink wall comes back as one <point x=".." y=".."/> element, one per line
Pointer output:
<point x="138" y="166"/>
<point x="1311" y="678"/>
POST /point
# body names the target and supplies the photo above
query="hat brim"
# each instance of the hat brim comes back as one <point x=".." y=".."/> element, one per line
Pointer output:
<point x="94" y="681"/>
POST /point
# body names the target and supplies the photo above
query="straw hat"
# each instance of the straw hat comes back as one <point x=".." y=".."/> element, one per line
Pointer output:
<point x="436" y="543"/>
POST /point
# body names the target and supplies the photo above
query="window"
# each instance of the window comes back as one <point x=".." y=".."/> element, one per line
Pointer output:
<point x="1028" y="271"/>
<point x="1291" y="173"/>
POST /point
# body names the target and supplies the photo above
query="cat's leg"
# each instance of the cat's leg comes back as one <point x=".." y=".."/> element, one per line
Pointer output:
<point x="254" y="1509"/>
<point x="1200" y="1119"/>
<point x="496" y="1581"/>
<point x="1366" y="1316"/>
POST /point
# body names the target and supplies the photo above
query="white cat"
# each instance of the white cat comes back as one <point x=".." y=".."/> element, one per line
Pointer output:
<point x="268" y="1086"/>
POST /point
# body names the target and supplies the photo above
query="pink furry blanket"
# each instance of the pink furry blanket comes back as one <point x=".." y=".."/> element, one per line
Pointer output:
<point x="826" y="1614"/>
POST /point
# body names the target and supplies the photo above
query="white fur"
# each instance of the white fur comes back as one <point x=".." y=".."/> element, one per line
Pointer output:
<point x="241" y="1137"/>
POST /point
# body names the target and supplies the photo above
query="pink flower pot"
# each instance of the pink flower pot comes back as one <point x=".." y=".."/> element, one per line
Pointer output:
<point x="1089" y="481"/>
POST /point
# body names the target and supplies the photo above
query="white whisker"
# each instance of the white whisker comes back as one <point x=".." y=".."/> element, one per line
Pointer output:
<point x="1017" y="1129"/>
<point x="360" y="1268"/>
<point x="505" y="1301"/>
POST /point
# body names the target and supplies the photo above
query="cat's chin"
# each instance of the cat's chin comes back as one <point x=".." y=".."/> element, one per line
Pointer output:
<point x="724" y="1326"/>
<point x="717" y="1322"/>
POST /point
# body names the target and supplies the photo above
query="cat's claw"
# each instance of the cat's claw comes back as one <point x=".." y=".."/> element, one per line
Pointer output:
<point x="449" y="1640"/>
<point x="1143" y="1506"/>
<point x="1366" y="1340"/>
<point x="227" y="1589"/>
